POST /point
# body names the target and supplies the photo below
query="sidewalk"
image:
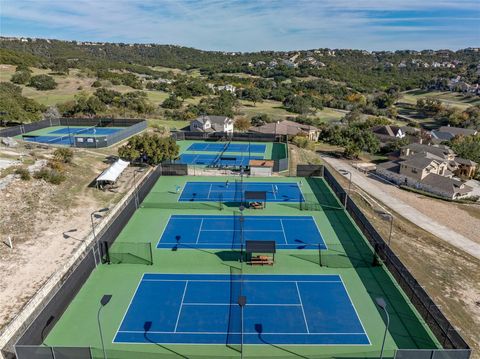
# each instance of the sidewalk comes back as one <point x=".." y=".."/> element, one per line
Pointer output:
<point x="406" y="211"/>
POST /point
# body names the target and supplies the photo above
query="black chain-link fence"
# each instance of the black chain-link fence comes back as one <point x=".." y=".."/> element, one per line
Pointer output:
<point x="446" y="334"/>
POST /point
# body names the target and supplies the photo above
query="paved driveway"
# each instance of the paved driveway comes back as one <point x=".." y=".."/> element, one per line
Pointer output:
<point x="406" y="211"/>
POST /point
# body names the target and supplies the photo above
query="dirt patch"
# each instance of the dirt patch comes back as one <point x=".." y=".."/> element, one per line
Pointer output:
<point x="37" y="215"/>
<point x="462" y="219"/>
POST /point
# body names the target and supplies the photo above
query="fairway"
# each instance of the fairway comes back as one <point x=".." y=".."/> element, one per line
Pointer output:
<point x="235" y="192"/>
<point x="228" y="232"/>
<point x="280" y="309"/>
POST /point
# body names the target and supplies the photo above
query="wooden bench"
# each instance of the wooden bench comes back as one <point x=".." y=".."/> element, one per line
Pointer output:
<point x="261" y="260"/>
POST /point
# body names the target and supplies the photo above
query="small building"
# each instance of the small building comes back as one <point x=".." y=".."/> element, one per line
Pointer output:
<point x="212" y="124"/>
<point x="261" y="168"/>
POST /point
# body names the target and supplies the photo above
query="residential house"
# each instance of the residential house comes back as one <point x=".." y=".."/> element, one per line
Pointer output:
<point x="212" y="124"/>
<point x="288" y="128"/>
<point x="438" y="150"/>
<point x="388" y="133"/>
<point x="430" y="168"/>
<point x="229" y="88"/>
<point x="458" y="131"/>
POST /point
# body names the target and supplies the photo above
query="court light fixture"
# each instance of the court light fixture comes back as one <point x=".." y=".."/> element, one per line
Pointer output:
<point x="383" y="304"/>
<point x="103" y="302"/>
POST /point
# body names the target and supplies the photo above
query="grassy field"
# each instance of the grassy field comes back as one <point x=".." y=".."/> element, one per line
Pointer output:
<point x="276" y="111"/>
<point x="363" y="283"/>
<point x="447" y="97"/>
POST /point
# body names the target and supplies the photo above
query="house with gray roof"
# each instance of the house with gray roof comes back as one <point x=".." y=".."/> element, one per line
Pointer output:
<point x="212" y="124"/>
<point x="446" y="133"/>
<point x="433" y="169"/>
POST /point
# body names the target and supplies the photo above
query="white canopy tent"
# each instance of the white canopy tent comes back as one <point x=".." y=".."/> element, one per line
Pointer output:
<point x="111" y="174"/>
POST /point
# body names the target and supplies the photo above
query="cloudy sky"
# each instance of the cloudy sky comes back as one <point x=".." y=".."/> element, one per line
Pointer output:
<point x="251" y="25"/>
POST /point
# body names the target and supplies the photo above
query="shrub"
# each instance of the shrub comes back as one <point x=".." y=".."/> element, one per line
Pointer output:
<point x="20" y="77"/>
<point x="97" y="84"/>
<point x="50" y="175"/>
<point x="64" y="155"/>
<point x="23" y="173"/>
<point x="43" y="82"/>
<point x="303" y="142"/>
<point x="56" y="165"/>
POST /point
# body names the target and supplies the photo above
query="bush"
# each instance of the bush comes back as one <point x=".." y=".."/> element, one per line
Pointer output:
<point x="56" y="165"/>
<point x="97" y="84"/>
<point x="64" y="155"/>
<point x="20" y="77"/>
<point x="303" y="142"/>
<point x="50" y="175"/>
<point x="43" y="82"/>
<point x="23" y="173"/>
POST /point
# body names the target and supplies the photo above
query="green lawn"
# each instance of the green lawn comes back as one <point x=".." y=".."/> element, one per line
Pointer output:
<point x="78" y="325"/>
<point x="276" y="111"/>
<point x="447" y="97"/>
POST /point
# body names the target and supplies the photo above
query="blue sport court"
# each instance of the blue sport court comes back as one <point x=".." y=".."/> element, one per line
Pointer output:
<point x="224" y="232"/>
<point x="225" y="147"/>
<point x="203" y="309"/>
<point x="217" y="160"/>
<point x="235" y="191"/>
<point x="66" y="136"/>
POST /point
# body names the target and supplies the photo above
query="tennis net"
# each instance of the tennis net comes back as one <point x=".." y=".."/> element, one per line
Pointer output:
<point x="82" y="130"/>
<point x="67" y="139"/>
<point x="128" y="253"/>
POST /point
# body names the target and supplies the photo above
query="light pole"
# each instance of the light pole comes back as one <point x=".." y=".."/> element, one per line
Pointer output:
<point x="242" y="302"/>
<point x="92" y="218"/>
<point x="344" y="172"/>
<point x="135" y="190"/>
<point x="103" y="302"/>
<point x="389" y="215"/>
<point x="382" y="304"/>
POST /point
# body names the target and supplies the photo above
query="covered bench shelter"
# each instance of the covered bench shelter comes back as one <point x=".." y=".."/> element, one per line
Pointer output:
<point x="111" y="174"/>
<point x="256" y="199"/>
<point x="260" y="252"/>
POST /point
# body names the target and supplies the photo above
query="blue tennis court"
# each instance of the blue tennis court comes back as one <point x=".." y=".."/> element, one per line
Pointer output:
<point x="217" y="160"/>
<point x="235" y="191"/>
<point x="224" y="232"/>
<point x="226" y="147"/>
<point x="99" y="131"/>
<point x="203" y="309"/>
<point x="66" y="135"/>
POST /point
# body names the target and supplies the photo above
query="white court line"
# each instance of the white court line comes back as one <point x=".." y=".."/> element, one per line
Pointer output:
<point x="199" y="231"/>
<point x="129" y="304"/>
<point x="230" y="281"/>
<point x="209" y="191"/>
<point x="303" y="310"/>
<point x="245" y="230"/>
<point x="355" y="309"/>
<point x="246" y="333"/>
<point x="248" y="304"/>
<point x="181" y="305"/>
<point x="283" y="231"/>
<point x="250" y="218"/>
<point x="274" y="194"/>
